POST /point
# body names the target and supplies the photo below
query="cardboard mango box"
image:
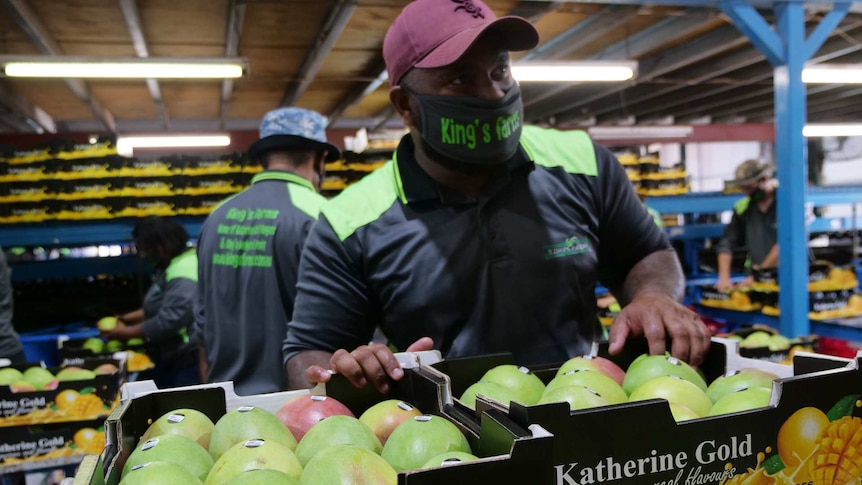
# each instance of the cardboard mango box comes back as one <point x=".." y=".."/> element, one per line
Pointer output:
<point x="33" y="191"/>
<point x="61" y="400"/>
<point x="88" y="168"/>
<point x="808" y="434"/>
<point x="733" y="300"/>
<point x="822" y="276"/>
<point x="508" y="450"/>
<point x="822" y="305"/>
<point x="25" y="447"/>
<point x="781" y="355"/>
<point x="136" y="356"/>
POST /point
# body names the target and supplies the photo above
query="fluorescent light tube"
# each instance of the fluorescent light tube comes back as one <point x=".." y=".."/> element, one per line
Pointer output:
<point x="576" y="71"/>
<point x="617" y="132"/>
<point x="127" y="144"/>
<point x="832" y="74"/>
<point x="847" y="129"/>
<point x="132" y="68"/>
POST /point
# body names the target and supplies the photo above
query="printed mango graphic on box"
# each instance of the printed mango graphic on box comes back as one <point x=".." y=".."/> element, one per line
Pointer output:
<point x="812" y="448"/>
<point x="27" y="444"/>
<point x="38" y="395"/>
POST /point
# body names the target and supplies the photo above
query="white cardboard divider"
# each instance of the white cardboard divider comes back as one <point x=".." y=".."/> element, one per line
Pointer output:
<point x="737" y="362"/>
<point x="270" y="401"/>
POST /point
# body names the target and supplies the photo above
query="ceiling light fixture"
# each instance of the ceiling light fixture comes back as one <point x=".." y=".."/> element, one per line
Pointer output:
<point x="123" y="68"/>
<point x="575" y="71"/>
<point x="127" y="144"/>
<point x="813" y="130"/>
<point x="832" y="74"/>
<point x="637" y="132"/>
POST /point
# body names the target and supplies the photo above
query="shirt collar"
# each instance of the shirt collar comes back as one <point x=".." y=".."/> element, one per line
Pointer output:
<point x="418" y="186"/>
<point x="283" y="176"/>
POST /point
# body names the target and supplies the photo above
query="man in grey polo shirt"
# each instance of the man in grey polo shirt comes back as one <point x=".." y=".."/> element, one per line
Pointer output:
<point x="481" y="235"/>
<point x="754" y="223"/>
<point x="249" y="252"/>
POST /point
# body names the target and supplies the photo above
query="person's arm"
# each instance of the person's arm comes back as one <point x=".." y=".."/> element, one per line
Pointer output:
<point x="334" y="318"/>
<point x="203" y="366"/>
<point x="654" y="289"/>
<point x="638" y="265"/>
<point x="733" y="231"/>
<point x="724" y="262"/>
<point x="123" y="332"/>
<point x="771" y="259"/>
<point x="133" y="317"/>
<point x="176" y="312"/>
<point x="197" y="336"/>
<point x="331" y="310"/>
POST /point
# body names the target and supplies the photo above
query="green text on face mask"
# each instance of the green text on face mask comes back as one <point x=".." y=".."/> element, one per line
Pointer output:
<point x="454" y="133"/>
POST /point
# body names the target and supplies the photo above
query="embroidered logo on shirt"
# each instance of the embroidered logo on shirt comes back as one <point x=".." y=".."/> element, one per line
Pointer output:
<point x="569" y="247"/>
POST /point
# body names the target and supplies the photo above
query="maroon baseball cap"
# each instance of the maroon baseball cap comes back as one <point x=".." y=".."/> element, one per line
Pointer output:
<point x="436" y="33"/>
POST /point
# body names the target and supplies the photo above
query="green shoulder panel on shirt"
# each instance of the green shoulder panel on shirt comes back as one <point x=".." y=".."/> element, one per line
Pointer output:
<point x="656" y="216"/>
<point x="365" y="201"/>
<point x="571" y="150"/>
<point x="741" y="205"/>
<point x="226" y="199"/>
<point x="305" y="199"/>
<point x="183" y="266"/>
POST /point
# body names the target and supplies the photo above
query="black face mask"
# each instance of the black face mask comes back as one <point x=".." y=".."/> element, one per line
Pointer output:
<point x="472" y="130"/>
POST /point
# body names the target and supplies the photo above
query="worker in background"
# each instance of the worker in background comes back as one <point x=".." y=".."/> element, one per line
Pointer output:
<point x="10" y="343"/>
<point x="753" y="225"/>
<point x="167" y="313"/>
<point x="480" y="235"/>
<point x="249" y="254"/>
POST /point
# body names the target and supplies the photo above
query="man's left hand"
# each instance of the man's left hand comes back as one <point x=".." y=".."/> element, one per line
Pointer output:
<point x="659" y="317"/>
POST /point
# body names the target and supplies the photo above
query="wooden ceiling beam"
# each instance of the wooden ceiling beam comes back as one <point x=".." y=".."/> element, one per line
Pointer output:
<point x="27" y="19"/>
<point x="235" y="22"/>
<point x="359" y="91"/>
<point x="132" y="14"/>
<point x="531" y="10"/>
<point x="583" y="33"/>
<point x="34" y="118"/>
<point x="645" y="42"/>
<point x="840" y="44"/>
<point x="332" y="28"/>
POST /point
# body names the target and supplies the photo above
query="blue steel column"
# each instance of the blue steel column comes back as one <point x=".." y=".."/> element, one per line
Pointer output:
<point x="786" y="48"/>
<point x="790" y="116"/>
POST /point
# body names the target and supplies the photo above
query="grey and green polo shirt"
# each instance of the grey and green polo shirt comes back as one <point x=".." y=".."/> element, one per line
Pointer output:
<point x="169" y="312"/>
<point x="249" y="256"/>
<point x="750" y="228"/>
<point x="512" y="271"/>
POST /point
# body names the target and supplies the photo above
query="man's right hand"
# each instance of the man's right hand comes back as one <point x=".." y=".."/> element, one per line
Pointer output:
<point x="374" y="362"/>
<point x="724" y="284"/>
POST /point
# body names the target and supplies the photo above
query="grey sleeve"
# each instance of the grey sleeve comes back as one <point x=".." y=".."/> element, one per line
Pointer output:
<point x="196" y="335"/>
<point x="176" y="312"/>
<point x="333" y="308"/>
<point x="733" y="235"/>
<point x="627" y="232"/>
<point x="288" y="253"/>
